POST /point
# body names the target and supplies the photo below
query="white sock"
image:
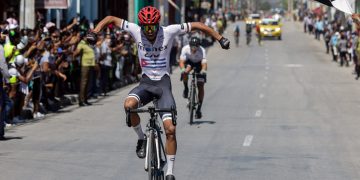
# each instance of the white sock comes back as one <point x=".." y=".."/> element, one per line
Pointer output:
<point x="170" y="164"/>
<point x="139" y="131"/>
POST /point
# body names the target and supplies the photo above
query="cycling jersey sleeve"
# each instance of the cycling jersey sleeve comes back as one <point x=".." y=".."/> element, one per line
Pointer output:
<point x="132" y="28"/>
<point x="183" y="53"/>
<point x="204" y="56"/>
<point x="178" y="29"/>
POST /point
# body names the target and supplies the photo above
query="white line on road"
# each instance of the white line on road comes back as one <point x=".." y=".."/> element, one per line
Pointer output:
<point x="266" y="78"/>
<point x="267" y="67"/>
<point x="258" y="113"/>
<point x="294" y="65"/>
<point x="264" y="85"/>
<point x="261" y="96"/>
<point x="248" y="140"/>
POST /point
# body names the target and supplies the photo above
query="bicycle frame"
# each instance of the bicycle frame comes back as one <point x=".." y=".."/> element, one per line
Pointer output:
<point x="154" y="132"/>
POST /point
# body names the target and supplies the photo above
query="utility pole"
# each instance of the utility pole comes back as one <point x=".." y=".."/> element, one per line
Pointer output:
<point x="183" y="11"/>
<point x="27" y="14"/>
<point x="290" y="9"/>
<point x="131" y="12"/>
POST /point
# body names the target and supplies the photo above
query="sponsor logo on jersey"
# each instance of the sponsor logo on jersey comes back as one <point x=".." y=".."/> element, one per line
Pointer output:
<point x="143" y="47"/>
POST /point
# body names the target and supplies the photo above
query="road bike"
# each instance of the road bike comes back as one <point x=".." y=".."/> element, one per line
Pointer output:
<point x="155" y="158"/>
<point x="193" y="96"/>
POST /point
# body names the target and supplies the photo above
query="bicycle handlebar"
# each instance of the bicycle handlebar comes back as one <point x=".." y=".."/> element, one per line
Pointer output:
<point x="152" y="111"/>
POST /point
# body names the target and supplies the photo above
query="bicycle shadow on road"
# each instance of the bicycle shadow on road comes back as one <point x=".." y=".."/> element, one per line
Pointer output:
<point x="8" y="138"/>
<point x="203" y="122"/>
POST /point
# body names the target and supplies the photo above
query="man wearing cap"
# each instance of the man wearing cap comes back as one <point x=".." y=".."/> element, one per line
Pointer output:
<point x="84" y="48"/>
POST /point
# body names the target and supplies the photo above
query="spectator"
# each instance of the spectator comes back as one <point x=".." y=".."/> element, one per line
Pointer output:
<point x="327" y="38"/>
<point x="333" y="44"/>
<point x="87" y="54"/>
<point x="105" y="63"/>
<point x="4" y="74"/>
<point x="357" y="52"/>
<point x="342" y="46"/>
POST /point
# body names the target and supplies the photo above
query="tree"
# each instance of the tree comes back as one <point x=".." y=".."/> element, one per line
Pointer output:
<point x="265" y="6"/>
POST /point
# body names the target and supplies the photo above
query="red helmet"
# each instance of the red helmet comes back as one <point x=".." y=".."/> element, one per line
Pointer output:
<point x="149" y="15"/>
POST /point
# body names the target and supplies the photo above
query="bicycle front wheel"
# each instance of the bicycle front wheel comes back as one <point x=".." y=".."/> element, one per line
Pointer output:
<point x="192" y="104"/>
<point x="151" y="157"/>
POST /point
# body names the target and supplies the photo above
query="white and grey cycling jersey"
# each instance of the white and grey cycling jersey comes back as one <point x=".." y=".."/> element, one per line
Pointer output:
<point x="197" y="57"/>
<point x="154" y="58"/>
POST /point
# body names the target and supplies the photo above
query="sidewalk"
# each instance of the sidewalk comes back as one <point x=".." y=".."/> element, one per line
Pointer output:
<point x="321" y="45"/>
<point x="67" y="104"/>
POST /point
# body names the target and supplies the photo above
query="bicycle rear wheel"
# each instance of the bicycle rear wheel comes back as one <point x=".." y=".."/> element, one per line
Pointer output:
<point x="192" y="104"/>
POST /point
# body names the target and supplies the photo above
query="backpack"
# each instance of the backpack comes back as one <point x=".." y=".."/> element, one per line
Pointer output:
<point x="248" y="28"/>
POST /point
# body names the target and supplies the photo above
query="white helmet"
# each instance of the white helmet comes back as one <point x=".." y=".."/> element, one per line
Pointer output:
<point x="19" y="60"/>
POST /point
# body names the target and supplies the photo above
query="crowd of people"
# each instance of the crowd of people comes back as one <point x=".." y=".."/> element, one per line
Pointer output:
<point x="45" y="63"/>
<point x="340" y="37"/>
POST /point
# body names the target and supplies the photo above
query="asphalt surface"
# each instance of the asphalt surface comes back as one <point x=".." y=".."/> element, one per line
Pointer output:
<point x="279" y="111"/>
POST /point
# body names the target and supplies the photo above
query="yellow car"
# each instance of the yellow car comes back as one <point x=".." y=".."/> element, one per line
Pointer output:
<point x="253" y="19"/>
<point x="270" y="28"/>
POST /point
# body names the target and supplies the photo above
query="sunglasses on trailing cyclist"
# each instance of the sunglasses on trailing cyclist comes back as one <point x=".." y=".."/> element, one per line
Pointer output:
<point x="152" y="27"/>
<point x="193" y="47"/>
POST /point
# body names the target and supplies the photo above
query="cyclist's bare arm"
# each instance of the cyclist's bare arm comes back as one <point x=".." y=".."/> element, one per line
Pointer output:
<point x="206" y="29"/>
<point x="108" y="20"/>
<point x="182" y="63"/>
<point x="204" y="66"/>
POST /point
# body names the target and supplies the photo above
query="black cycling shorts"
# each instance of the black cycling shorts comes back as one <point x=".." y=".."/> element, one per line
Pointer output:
<point x="197" y="67"/>
<point x="157" y="91"/>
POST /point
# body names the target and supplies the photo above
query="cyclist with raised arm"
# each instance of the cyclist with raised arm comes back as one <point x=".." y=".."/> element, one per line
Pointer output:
<point x="193" y="56"/>
<point x="154" y="45"/>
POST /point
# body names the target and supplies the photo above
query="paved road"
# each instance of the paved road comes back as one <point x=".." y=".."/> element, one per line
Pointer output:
<point x="280" y="111"/>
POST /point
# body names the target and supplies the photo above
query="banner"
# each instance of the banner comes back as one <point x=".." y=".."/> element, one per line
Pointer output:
<point x="341" y="5"/>
<point x="51" y="4"/>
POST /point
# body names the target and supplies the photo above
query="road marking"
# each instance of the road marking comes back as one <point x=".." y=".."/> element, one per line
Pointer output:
<point x="294" y="65"/>
<point x="267" y="67"/>
<point x="261" y="96"/>
<point x="264" y="85"/>
<point x="266" y="78"/>
<point x="248" y="140"/>
<point x="267" y="72"/>
<point x="258" y="113"/>
<point x="267" y="63"/>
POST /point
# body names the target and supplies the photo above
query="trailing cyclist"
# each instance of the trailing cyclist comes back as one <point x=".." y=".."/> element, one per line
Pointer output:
<point x="258" y="33"/>
<point x="248" y="33"/>
<point x="237" y="35"/>
<point x="154" y="46"/>
<point x="193" y="57"/>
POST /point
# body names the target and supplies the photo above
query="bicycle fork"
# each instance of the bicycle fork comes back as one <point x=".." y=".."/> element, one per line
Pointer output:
<point x="157" y="150"/>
